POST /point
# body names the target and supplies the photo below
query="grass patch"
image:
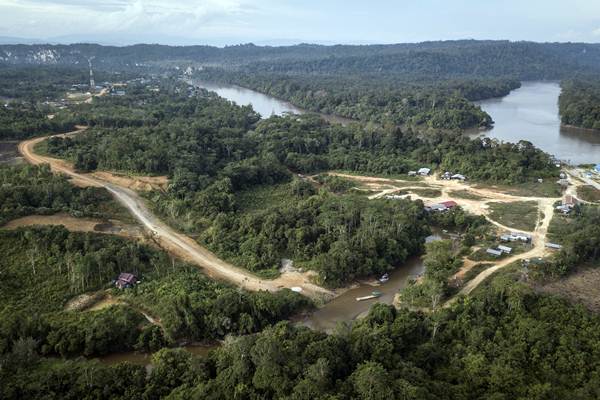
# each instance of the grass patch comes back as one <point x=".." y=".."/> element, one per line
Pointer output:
<point x="518" y="214"/>
<point x="465" y="194"/>
<point x="588" y="193"/>
<point x="426" y="192"/>
<point x="482" y="255"/>
<point x="548" y="188"/>
<point x="560" y="226"/>
<point x="410" y="180"/>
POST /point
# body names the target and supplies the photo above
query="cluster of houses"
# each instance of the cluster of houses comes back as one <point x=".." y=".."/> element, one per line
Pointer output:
<point x="441" y="207"/>
<point x="567" y="204"/>
<point x="449" y="175"/>
<point x="497" y="252"/>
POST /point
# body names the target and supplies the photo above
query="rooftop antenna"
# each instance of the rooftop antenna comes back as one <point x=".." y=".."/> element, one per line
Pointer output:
<point x="92" y="82"/>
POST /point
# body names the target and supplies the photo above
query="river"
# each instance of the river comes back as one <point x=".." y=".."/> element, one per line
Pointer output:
<point x="264" y="104"/>
<point x="531" y="113"/>
<point x="345" y="308"/>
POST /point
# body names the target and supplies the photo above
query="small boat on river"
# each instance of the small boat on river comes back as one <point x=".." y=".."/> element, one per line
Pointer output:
<point x="374" y="294"/>
<point x="384" y="278"/>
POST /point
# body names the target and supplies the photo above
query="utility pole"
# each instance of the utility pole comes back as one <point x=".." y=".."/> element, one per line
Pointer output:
<point x="92" y="82"/>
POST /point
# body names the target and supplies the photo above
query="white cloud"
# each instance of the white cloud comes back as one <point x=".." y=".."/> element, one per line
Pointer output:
<point x="596" y="32"/>
<point x="190" y="18"/>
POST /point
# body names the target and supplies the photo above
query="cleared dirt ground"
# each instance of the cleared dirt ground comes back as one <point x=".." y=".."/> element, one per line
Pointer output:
<point x="582" y="287"/>
<point x="112" y="227"/>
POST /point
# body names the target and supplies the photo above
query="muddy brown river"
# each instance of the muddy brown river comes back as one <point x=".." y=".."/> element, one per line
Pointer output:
<point x="346" y="308"/>
<point x="264" y="104"/>
<point x="145" y="359"/>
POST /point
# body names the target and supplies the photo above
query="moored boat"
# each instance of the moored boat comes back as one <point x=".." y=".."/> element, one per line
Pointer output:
<point x="374" y="294"/>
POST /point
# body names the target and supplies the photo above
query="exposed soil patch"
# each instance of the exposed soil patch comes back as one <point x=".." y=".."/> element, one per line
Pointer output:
<point x="112" y="227"/>
<point x="582" y="287"/>
<point x="588" y="193"/>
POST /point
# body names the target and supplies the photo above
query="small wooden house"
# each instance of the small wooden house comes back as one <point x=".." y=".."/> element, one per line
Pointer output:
<point x="125" y="280"/>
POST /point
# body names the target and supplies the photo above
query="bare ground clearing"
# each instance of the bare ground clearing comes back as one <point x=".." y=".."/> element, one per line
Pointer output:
<point x="74" y="224"/>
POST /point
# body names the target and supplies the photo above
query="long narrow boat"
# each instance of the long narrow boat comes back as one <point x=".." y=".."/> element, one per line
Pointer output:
<point x="374" y="294"/>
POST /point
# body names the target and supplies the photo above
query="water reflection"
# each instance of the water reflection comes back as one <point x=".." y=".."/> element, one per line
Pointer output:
<point x="531" y="113"/>
<point x="264" y="104"/>
<point x="345" y="308"/>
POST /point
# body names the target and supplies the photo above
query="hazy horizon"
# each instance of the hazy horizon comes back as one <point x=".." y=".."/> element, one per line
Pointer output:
<point x="269" y="22"/>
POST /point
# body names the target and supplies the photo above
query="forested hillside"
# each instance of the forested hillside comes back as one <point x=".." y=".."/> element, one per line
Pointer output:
<point x="505" y="343"/>
<point x="42" y="269"/>
<point x="523" y="60"/>
<point x="579" y="103"/>
<point x="20" y="121"/>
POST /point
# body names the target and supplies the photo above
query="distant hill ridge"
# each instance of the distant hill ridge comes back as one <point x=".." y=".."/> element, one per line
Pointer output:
<point x="523" y="60"/>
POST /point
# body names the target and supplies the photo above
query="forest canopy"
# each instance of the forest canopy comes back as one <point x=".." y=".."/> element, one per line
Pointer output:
<point x="579" y="103"/>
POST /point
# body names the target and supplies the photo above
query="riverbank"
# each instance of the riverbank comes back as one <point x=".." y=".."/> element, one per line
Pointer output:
<point x="531" y="113"/>
<point x="145" y="359"/>
<point x="265" y="104"/>
<point x="579" y="128"/>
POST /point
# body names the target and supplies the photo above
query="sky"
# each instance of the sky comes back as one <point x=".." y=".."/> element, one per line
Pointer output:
<point x="223" y="22"/>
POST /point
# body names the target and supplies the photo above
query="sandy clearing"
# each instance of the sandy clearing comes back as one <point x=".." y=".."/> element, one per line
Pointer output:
<point x="112" y="227"/>
<point x="108" y="301"/>
<point x="582" y="287"/>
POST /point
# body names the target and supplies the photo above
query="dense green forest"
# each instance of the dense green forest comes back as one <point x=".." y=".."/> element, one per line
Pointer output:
<point x="474" y="58"/>
<point x="214" y="152"/>
<point x="43" y="268"/>
<point x="28" y="189"/>
<point x="381" y="98"/>
<point x="342" y="238"/>
<point x="579" y="103"/>
<point x="245" y="188"/>
<point x="21" y="121"/>
<point x="505" y="343"/>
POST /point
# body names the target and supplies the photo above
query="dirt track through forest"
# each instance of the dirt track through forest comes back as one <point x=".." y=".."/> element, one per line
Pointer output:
<point x="174" y="242"/>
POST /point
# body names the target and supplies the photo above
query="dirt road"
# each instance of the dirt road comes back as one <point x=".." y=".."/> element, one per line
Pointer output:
<point x="177" y="243"/>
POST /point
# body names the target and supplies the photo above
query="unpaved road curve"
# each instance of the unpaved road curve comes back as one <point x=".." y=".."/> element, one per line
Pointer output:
<point x="173" y="241"/>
